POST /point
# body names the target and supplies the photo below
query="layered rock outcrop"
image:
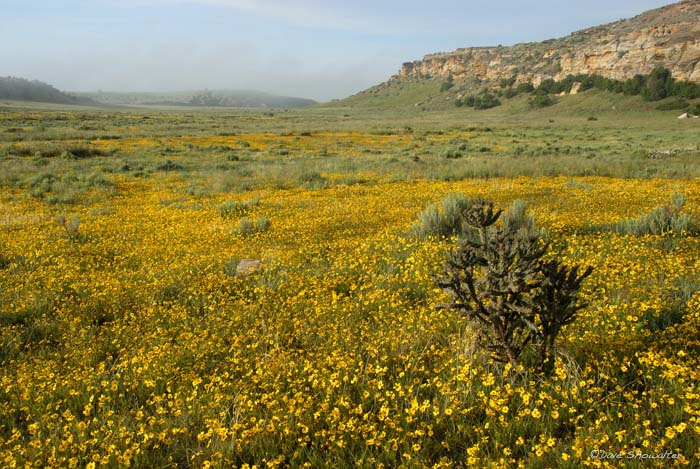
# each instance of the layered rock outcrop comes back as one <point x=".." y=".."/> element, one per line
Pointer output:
<point x="668" y="36"/>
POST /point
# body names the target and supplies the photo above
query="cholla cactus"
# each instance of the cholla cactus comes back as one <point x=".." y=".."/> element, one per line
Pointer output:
<point x="500" y="281"/>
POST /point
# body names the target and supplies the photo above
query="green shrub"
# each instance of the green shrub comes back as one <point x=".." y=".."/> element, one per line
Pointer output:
<point x="453" y="153"/>
<point x="169" y="166"/>
<point x="540" y="100"/>
<point x="524" y="88"/>
<point x="673" y="105"/>
<point x="522" y="224"/>
<point x="482" y="100"/>
<point x="663" y="220"/>
<point x="5" y="260"/>
<point x="67" y="188"/>
<point x="507" y="82"/>
<point x="442" y="220"/>
<point x="517" y="301"/>
<point x="313" y="180"/>
<point x="658" y="84"/>
<point x="447" y="84"/>
<point x="248" y="227"/>
<point x="235" y="208"/>
<point x="262" y="224"/>
<point x="70" y="225"/>
<point x="510" y="93"/>
<point x="79" y="152"/>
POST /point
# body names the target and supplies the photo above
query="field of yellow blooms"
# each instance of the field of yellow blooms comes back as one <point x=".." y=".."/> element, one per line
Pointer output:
<point x="127" y="340"/>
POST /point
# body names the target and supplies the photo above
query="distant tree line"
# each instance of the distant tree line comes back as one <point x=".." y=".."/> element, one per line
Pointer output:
<point x="657" y="85"/>
<point x="246" y="99"/>
<point x="21" y="89"/>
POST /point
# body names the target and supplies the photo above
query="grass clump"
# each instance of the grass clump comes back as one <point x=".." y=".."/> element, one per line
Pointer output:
<point x="70" y="225"/>
<point x="63" y="189"/>
<point x="444" y="219"/>
<point x="522" y="224"/>
<point x="248" y="227"/>
<point x="235" y="208"/>
<point x="664" y="220"/>
<point x="169" y="165"/>
<point x="313" y="180"/>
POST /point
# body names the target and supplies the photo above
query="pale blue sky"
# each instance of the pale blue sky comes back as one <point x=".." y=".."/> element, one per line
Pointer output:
<point x="310" y="48"/>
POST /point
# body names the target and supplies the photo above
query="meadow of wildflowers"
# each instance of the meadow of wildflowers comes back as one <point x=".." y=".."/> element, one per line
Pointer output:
<point x="130" y="342"/>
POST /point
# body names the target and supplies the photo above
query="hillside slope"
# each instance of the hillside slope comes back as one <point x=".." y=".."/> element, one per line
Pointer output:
<point x="21" y="89"/>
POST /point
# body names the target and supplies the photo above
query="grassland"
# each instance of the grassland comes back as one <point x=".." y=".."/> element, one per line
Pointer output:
<point x="127" y="340"/>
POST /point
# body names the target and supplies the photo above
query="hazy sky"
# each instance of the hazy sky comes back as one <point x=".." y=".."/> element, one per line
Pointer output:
<point x="309" y="48"/>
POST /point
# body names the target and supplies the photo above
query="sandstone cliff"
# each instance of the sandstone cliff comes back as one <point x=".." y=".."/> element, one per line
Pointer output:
<point x="668" y="36"/>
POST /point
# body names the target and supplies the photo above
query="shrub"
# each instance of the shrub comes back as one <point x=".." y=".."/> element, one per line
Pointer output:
<point x="634" y="85"/>
<point x="170" y="166"/>
<point x="313" y="180"/>
<point x="483" y="100"/>
<point x="262" y="224"/>
<point x="524" y="88"/>
<point x="685" y="89"/>
<point x="510" y="93"/>
<point x="507" y="82"/>
<point x="658" y="84"/>
<point x="248" y="227"/>
<point x="70" y="225"/>
<point x="444" y="219"/>
<point x="673" y="105"/>
<point x="5" y="260"/>
<point x="56" y="189"/>
<point x="453" y="153"/>
<point x="234" y="208"/>
<point x="79" y="152"/>
<point x="447" y="84"/>
<point x="540" y="100"/>
<point x="517" y="301"/>
<point x="522" y="224"/>
<point x="666" y="219"/>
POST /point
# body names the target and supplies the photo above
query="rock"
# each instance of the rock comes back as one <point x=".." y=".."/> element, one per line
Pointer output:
<point x="247" y="266"/>
<point x="575" y="87"/>
<point x="684" y="116"/>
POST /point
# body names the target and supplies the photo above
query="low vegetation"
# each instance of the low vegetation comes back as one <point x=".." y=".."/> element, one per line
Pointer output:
<point x="129" y="339"/>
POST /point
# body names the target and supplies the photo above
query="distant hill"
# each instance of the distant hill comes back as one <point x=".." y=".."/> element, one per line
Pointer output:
<point x="619" y="57"/>
<point x="667" y="36"/>
<point x="21" y="89"/>
<point x="215" y="98"/>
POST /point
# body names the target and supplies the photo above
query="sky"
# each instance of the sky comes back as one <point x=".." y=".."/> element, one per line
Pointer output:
<point x="306" y="48"/>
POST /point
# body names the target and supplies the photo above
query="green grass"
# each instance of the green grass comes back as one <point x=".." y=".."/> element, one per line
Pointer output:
<point x="435" y="141"/>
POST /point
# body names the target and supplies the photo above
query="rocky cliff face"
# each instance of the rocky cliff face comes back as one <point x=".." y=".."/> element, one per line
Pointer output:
<point x="668" y="36"/>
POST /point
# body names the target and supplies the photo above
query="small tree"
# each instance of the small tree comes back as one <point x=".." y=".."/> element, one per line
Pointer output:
<point x="447" y="84"/>
<point x="500" y="281"/>
<point x="658" y="84"/>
